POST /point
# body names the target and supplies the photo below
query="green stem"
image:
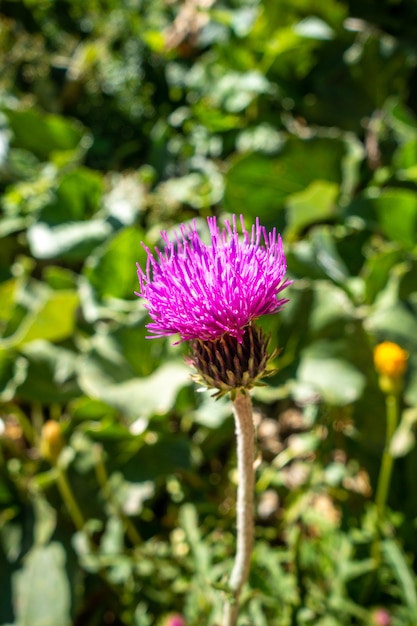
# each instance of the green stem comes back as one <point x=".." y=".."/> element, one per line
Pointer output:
<point x="69" y="498"/>
<point x="385" y="473"/>
<point x="102" y="478"/>
<point x="245" y="435"/>
<point x="387" y="463"/>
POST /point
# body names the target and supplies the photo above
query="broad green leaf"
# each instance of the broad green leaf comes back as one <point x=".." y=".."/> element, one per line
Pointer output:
<point x="43" y="133"/>
<point x="59" y="277"/>
<point x="53" y="320"/>
<point x="110" y="382"/>
<point x="111" y="269"/>
<point x="50" y="373"/>
<point x="76" y="197"/>
<point x="317" y="257"/>
<point x="89" y="409"/>
<point x="257" y="185"/>
<point x="160" y="459"/>
<point x="330" y="306"/>
<point x="72" y="240"/>
<point x="317" y="203"/>
<point x="41" y="588"/>
<point x="401" y="118"/>
<point x="377" y="268"/>
<point x="336" y="380"/>
<point x="314" y="28"/>
<point x="397" y="214"/>
<point x="395" y="321"/>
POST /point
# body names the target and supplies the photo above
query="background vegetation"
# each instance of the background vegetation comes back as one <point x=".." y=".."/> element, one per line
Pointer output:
<point x="122" y="118"/>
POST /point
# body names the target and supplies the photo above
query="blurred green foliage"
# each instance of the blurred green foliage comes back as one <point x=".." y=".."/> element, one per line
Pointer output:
<point x="121" y="119"/>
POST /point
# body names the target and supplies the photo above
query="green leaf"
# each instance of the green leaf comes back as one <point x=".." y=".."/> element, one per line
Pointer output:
<point x="43" y="133"/>
<point x="41" y="589"/>
<point x="404" y="438"/>
<point x="377" y="268"/>
<point x="397" y="215"/>
<point x="50" y="375"/>
<point x="108" y="378"/>
<point x="77" y="197"/>
<point x="257" y="185"/>
<point x="336" y="380"/>
<point x="111" y="269"/>
<point x="330" y="306"/>
<point x="53" y="320"/>
<point x="72" y="240"/>
<point x="314" y="28"/>
<point x="201" y="554"/>
<point x="8" y="291"/>
<point x="403" y="573"/>
<point x="316" y="203"/>
<point x="317" y="257"/>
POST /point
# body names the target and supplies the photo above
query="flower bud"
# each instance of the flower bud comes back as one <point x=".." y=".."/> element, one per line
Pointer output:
<point x="52" y="442"/>
<point x="390" y="363"/>
<point x="381" y="617"/>
<point x="175" y="620"/>
<point x="228" y="365"/>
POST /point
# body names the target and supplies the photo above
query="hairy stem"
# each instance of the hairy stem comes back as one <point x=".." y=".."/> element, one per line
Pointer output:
<point x="245" y="503"/>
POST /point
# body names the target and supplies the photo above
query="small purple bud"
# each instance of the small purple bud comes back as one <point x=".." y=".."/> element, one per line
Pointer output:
<point x="175" y="620"/>
<point x="381" y="617"/>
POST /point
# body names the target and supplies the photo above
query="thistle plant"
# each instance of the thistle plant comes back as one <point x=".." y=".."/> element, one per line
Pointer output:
<point x="211" y="295"/>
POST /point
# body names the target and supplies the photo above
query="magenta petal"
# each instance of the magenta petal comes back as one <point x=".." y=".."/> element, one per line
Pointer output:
<point x="204" y="291"/>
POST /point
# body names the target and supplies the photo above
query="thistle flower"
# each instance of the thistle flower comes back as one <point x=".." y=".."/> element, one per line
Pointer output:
<point x="206" y="291"/>
<point x="212" y="294"/>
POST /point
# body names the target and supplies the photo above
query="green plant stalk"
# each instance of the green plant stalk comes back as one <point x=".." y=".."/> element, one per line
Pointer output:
<point x="69" y="498"/>
<point x="78" y="518"/>
<point x="102" y="478"/>
<point x="245" y="435"/>
<point x="387" y="463"/>
<point x="385" y="473"/>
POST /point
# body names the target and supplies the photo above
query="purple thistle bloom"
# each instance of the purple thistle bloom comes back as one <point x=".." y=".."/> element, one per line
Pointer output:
<point x="206" y="291"/>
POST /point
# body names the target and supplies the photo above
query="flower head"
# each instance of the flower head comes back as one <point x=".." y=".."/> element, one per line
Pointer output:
<point x="227" y="365"/>
<point x="390" y="359"/>
<point x="206" y="291"/>
<point x="52" y="442"/>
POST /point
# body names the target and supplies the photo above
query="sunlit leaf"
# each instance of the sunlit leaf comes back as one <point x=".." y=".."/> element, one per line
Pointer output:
<point x="42" y="593"/>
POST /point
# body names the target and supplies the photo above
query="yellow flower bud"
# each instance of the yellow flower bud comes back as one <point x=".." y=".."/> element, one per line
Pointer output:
<point x="51" y="443"/>
<point x="390" y="360"/>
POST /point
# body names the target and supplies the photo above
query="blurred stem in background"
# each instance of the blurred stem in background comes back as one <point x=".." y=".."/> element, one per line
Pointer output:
<point x="103" y="481"/>
<point x="69" y="498"/>
<point x="387" y="463"/>
<point x="51" y="446"/>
